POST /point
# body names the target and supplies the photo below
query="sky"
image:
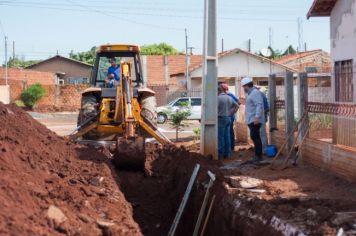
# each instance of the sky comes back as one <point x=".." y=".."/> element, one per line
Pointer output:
<point x="40" y="28"/>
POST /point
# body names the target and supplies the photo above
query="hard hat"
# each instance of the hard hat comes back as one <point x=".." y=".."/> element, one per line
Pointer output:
<point x="246" y="80"/>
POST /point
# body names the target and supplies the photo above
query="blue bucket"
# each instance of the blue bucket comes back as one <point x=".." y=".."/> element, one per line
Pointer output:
<point x="271" y="150"/>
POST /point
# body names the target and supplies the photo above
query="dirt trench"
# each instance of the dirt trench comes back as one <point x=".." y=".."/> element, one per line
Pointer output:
<point x="155" y="197"/>
<point x="156" y="194"/>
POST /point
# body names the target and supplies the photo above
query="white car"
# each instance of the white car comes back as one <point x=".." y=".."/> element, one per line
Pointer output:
<point x="194" y="105"/>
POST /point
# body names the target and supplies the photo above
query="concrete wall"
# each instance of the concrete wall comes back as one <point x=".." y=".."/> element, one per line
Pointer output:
<point x="343" y="34"/>
<point x="5" y="94"/>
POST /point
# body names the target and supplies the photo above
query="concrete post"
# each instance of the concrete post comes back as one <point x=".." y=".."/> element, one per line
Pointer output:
<point x="144" y="69"/>
<point x="209" y="128"/>
<point x="303" y="101"/>
<point x="289" y="110"/>
<point x="272" y="94"/>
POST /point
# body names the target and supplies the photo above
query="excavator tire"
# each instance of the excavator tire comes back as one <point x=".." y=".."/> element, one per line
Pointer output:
<point x="149" y="109"/>
<point x="88" y="110"/>
<point x="130" y="154"/>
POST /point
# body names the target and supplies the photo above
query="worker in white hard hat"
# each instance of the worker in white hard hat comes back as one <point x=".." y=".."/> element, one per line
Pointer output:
<point x="263" y="132"/>
<point x="254" y="115"/>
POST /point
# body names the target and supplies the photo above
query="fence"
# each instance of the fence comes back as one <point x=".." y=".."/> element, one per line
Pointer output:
<point x="194" y="92"/>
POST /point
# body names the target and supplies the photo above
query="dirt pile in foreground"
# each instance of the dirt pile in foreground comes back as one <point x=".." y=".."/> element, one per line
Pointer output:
<point x="50" y="187"/>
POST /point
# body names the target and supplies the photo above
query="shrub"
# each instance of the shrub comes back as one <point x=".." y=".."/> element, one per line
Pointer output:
<point x="32" y="94"/>
<point x="20" y="103"/>
<point x="179" y="116"/>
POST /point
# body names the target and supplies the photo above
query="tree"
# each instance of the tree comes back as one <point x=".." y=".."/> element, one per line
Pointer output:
<point x="289" y="50"/>
<point x="86" y="57"/>
<point x="158" y="49"/>
<point x="179" y="116"/>
<point x="20" y="63"/>
<point x="32" y="94"/>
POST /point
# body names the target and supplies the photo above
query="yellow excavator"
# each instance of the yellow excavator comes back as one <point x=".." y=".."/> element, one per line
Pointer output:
<point x="118" y="111"/>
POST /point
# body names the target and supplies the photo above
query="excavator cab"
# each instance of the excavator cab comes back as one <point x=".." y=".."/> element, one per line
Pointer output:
<point x="120" y="115"/>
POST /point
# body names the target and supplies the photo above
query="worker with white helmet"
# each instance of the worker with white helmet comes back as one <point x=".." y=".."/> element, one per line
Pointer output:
<point x="254" y="115"/>
<point x="263" y="132"/>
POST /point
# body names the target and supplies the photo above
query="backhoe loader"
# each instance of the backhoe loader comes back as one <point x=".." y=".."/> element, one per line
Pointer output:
<point x="119" y="113"/>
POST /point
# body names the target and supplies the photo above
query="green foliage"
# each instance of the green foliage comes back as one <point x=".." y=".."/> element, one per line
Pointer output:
<point x="20" y="63"/>
<point x="32" y="94"/>
<point x="179" y="116"/>
<point x="275" y="53"/>
<point x="86" y="57"/>
<point x="196" y="131"/>
<point x="290" y="50"/>
<point x="318" y="121"/>
<point x="20" y="103"/>
<point x="158" y="49"/>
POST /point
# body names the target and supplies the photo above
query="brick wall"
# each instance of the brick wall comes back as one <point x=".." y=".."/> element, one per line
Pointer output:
<point x="29" y="76"/>
<point x="176" y="66"/>
<point x="57" y="98"/>
<point x="161" y="93"/>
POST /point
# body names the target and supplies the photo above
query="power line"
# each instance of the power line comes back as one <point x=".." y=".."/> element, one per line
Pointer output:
<point x="110" y="14"/>
<point x="123" y="19"/>
<point x="2" y="29"/>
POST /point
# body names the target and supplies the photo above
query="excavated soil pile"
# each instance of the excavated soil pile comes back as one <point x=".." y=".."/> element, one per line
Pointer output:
<point x="50" y="187"/>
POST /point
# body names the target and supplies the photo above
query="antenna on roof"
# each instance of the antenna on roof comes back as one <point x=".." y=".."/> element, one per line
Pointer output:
<point x="266" y="52"/>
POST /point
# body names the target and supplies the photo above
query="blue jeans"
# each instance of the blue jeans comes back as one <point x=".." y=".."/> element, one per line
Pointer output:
<point x="224" y="139"/>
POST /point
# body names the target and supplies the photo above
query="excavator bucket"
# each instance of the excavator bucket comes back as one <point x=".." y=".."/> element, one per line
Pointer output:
<point x="130" y="153"/>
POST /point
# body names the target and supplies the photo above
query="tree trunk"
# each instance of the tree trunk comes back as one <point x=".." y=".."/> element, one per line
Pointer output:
<point x="177" y="129"/>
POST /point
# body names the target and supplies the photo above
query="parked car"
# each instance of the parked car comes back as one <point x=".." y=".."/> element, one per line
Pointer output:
<point x="194" y="105"/>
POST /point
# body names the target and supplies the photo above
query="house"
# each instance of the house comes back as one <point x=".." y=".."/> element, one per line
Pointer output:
<point x="165" y="69"/>
<point x="313" y="61"/>
<point x="68" y="71"/>
<point x="164" y="72"/>
<point x="317" y="63"/>
<point x="238" y="63"/>
<point x="342" y="15"/>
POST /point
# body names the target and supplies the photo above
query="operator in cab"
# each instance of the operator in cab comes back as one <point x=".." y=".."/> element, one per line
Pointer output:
<point x="113" y="76"/>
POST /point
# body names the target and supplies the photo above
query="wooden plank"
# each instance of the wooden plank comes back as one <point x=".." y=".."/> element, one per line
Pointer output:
<point x="302" y="104"/>
<point x="289" y="110"/>
<point x="272" y="96"/>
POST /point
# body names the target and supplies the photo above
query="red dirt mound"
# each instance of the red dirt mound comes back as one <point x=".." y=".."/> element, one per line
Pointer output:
<point x="51" y="187"/>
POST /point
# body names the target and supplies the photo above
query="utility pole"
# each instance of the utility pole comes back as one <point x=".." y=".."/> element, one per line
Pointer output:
<point x="13" y="50"/>
<point x="249" y="45"/>
<point x="270" y="37"/>
<point x="190" y="52"/>
<point x="209" y="128"/>
<point x="6" y="66"/>
<point x="222" y="45"/>
<point x="186" y="60"/>
<point x="300" y="34"/>
<point x="270" y="48"/>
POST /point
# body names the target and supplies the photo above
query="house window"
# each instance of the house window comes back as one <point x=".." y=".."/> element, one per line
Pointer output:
<point x="344" y="81"/>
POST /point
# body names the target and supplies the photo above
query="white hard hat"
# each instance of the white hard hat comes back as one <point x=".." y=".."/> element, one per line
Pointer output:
<point x="246" y="80"/>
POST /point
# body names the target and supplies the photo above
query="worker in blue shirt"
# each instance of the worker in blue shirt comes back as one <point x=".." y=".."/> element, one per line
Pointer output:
<point x="225" y="87"/>
<point x="113" y="76"/>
